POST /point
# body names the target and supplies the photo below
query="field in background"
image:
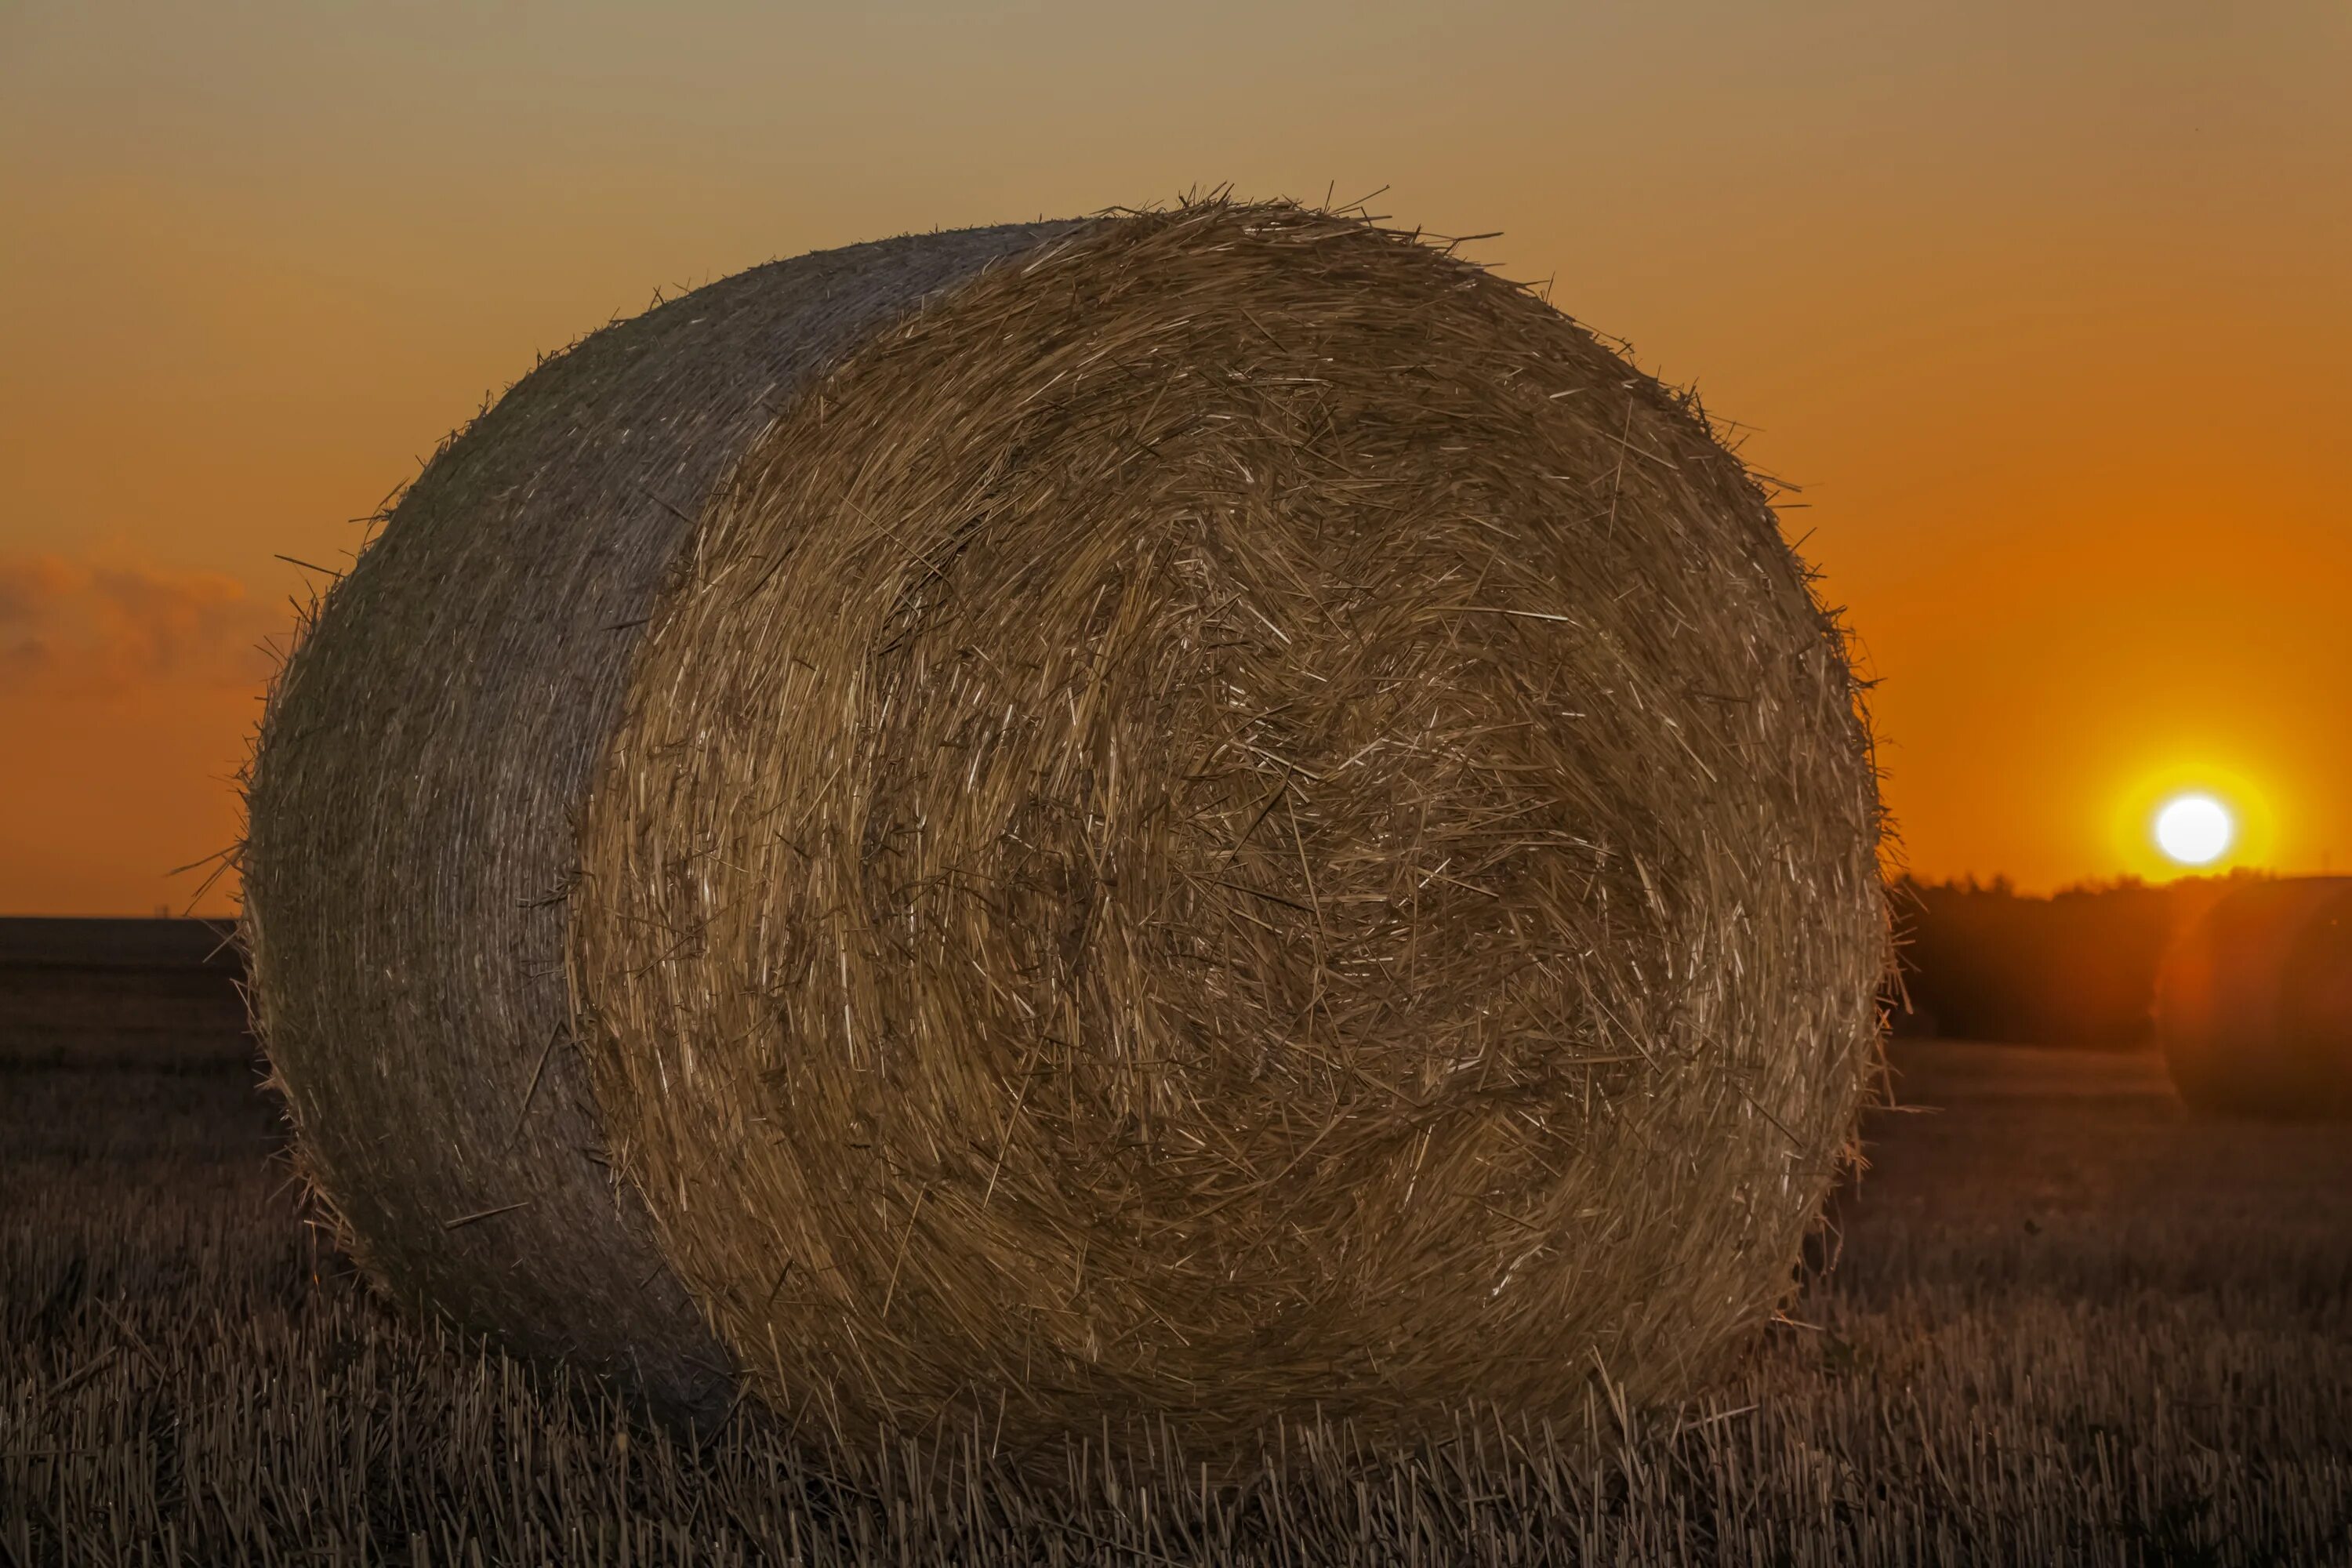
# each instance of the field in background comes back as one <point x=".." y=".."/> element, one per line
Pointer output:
<point x="90" y="992"/>
<point x="2067" y="1323"/>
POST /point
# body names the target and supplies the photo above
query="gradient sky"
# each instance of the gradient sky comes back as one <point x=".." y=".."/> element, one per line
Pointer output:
<point x="2045" y="306"/>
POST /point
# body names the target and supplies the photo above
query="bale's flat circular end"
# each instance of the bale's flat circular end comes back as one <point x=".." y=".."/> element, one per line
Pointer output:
<point x="1235" y="819"/>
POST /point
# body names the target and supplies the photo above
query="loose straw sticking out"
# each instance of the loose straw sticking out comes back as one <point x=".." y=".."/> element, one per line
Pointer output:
<point x="1233" y="821"/>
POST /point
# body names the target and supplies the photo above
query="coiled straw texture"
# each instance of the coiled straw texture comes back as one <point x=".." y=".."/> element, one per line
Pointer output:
<point x="1197" y="818"/>
<point x="1235" y="820"/>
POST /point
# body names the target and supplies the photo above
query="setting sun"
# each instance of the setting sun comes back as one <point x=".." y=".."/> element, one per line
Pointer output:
<point x="2194" y="829"/>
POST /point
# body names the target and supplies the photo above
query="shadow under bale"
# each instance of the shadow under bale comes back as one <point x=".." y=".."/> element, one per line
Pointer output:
<point x="1195" y="819"/>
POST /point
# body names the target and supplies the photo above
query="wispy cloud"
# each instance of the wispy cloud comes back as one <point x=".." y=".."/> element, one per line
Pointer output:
<point x="108" y="626"/>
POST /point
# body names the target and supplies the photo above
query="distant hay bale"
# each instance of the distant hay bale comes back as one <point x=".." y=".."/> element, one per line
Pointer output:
<point x="1207" y="817"/>
<point x="2254" y="1002"/>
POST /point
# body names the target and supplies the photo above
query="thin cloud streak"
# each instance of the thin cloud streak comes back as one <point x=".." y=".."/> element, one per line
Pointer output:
<point x="100" y="628"/>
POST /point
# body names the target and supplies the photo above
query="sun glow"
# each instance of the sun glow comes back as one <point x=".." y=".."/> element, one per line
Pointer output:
<point x="2194" y="829"/>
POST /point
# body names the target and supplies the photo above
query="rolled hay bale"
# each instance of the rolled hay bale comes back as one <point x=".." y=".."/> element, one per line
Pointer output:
<point x="1208" y="816"/>
<point x="2253" y="1003"/>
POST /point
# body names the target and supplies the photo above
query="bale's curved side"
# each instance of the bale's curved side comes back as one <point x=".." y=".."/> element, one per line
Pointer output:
<point x="413" y="797"/>
<point x="1237" y="822"/>
<point x="2254" y="1002"/>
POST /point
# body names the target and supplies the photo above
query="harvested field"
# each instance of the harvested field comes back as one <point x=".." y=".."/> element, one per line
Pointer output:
<point x="2069" y="1323"/>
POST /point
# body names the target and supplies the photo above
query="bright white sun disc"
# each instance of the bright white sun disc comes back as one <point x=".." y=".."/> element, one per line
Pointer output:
<point x="2194" y="829"/>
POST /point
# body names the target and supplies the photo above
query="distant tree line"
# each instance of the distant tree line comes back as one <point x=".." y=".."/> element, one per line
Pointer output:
<point x="1982" y="961"/>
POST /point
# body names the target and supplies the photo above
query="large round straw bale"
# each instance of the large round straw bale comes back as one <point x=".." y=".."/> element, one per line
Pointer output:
<point x="1212" y="816"/>
<point x="2255" y="1001"/>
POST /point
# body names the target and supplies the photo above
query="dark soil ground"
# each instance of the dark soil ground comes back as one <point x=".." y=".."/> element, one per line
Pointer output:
<point x="2067" y="1322"/>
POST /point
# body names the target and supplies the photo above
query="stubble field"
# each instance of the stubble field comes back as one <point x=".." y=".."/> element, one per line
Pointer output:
<point x="2065" y="1322"/>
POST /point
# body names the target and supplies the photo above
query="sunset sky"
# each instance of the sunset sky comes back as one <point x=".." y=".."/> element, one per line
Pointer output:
<point x="2047" y="308"/>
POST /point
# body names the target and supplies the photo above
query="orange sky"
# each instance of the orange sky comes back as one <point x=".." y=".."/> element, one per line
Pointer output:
<point x="2045" y="305"/>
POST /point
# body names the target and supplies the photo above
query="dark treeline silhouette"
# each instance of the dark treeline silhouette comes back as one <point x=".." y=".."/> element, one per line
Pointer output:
<point x="1983" y="962"/>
